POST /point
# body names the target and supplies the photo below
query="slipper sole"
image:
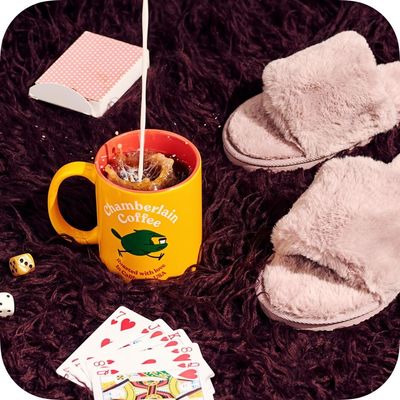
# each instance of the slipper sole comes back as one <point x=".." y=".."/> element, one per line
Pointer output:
<point x="252" y="163"/>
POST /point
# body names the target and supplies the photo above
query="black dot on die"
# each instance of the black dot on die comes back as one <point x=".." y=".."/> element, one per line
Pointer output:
<point x="8" y="295"/>
<point x="26" y="262"/>
<point x="30" y="266"/>
<point x="21" y="260"/>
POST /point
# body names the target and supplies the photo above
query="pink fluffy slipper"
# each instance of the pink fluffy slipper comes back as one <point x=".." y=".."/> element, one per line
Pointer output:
<point x="337" y="252"/>
<point x="327" y="98"/>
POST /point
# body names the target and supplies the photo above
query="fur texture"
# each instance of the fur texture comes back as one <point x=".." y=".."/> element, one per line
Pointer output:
<point x="345" y="222"/>
<point x="207" y="58"/>
<point x="330" y="96"/>
<point x="321" y="100"/>
<point x="247" y="129"/>
<point x="391" y="74"/>
<point x="316" y="295"/>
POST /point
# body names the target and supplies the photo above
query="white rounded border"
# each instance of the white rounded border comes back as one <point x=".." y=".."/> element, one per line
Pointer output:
<point x="390" y="9"/>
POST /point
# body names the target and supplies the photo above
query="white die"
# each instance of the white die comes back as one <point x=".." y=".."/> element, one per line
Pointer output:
<point x="7" y="305"/>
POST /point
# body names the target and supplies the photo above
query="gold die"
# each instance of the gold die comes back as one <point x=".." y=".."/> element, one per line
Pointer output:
<point x="22" y="264"/>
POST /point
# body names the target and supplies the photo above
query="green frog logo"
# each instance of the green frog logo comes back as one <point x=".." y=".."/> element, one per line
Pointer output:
<point x="142" y="243"/>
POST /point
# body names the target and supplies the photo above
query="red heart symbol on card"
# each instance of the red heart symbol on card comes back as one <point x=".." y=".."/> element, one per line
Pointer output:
<point x="113" y="322"/>
<point x="155" y="334"/>
<point x="164" y="339"/>
<point x="110" y="362"/>
<point x="183" y="365"/>
<point x="150" y="361"/>
<point x="182" y="357"/>
<point x="189" y="374"/>
<point x="114" y="371"/>
<point x="127" y="324"/>
<point x="145" y="331"/>
<point x="105" y="342"/>
<point x="173" y="343"/>
<point x="175" y="351"/>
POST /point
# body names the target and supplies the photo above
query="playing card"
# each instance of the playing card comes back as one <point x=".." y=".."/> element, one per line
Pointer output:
<point x="145" y="385"/>
<point x="152" y="332"/>
<point x="164" y="339"/>
<point x="127" y="358"/>
<point x="149" y="331"/>
<point x="173" y="338"/>
<point x="186" y="359"/>
<point x="119" y="327"/>
<point x="152" y="340"/>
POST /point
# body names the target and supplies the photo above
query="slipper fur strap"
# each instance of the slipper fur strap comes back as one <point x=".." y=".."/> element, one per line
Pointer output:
<point x="348" y="221"/>
<point x="328" y="97"/>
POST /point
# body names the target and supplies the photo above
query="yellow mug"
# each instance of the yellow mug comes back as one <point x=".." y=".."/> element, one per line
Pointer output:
<point x="141" y="234"/>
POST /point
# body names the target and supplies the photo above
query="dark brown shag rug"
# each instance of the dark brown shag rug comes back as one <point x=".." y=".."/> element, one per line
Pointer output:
<point x="206" y="58"/>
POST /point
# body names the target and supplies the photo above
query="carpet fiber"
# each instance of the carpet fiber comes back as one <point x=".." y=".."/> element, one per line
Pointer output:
<point x="206" y="59"/>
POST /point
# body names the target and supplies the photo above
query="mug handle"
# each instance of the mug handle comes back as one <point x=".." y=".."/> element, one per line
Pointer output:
<point x="77" y="168"/>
